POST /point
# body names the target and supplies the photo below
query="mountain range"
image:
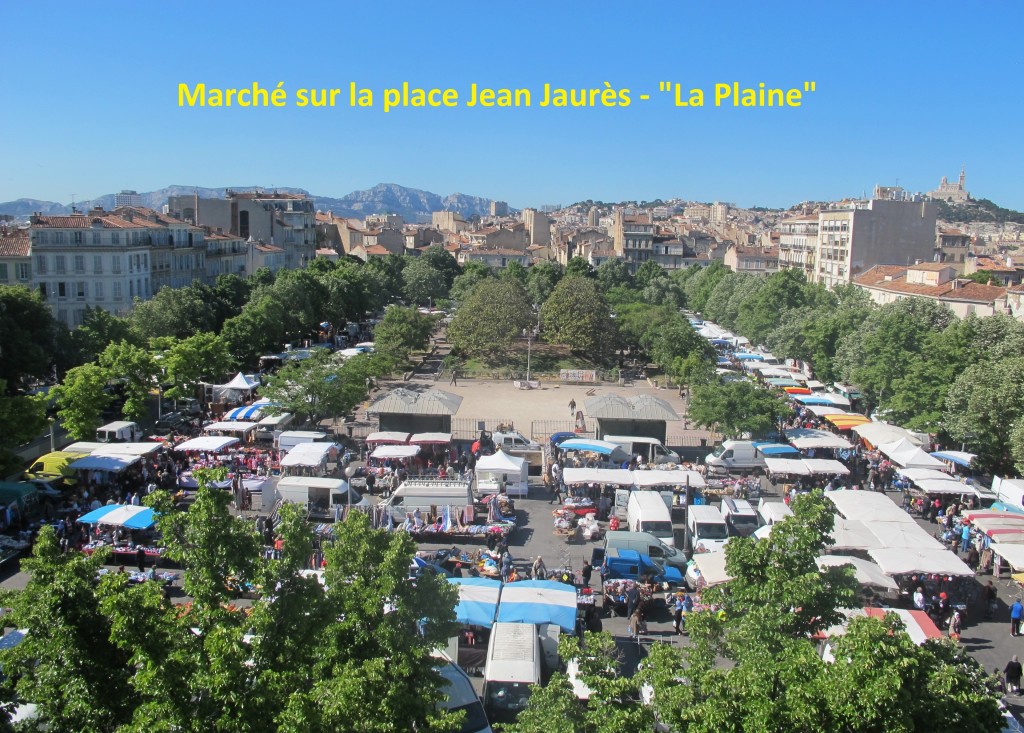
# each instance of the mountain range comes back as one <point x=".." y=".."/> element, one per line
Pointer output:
<point x="412" y="204"/>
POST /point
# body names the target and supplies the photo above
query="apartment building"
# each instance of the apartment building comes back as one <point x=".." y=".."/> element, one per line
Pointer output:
<point x="15" y="257"/>
<point x="633" y="237"/>
<point x="798" y="243"/>
<point x="178" y="254"/>
<point x="934" y="281"/>
<point x="538" y="226"/>
<point x="751" y="259"/>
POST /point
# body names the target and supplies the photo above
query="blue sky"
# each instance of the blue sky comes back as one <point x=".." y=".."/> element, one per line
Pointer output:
<point x="905" y="91"/>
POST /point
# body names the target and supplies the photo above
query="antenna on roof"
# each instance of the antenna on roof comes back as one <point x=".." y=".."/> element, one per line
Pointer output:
<point x="73" y="209"/>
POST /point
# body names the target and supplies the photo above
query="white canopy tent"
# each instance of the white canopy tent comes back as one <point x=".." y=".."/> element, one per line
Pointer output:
<point x="234" y="427"/>
<point x="852" y="534"/>
<point x="674" y="477"/>
<point x="868" y="506"/>
<point x="805" y="438"/>
<point x="877" y="433"/>
<point x="492" y="471"/>
<point x="1012" y="553"/>
<point x="208" y="443"/>
<point x="307" y="455"/>
<point x="617" y="476"/>
<point x="892" y="535"/>
<point x="805" y="467"/>
<point x="431" y="439"/>
<point x="387" y="437"/>
<point x="918" y="474"/>
<point x="822" y="410"/>
<point x="906" y="560"/>
<point x="395" y="451"/>
<point x="866" y="572"/>
<point x="946" y="486"/>
<point x="712" y="567"/>
<point x="129" y="449"/>
<point x="241" y="383"/>
<point x="826" y="466"/>
<point x="908" y="455"/>
<point x="110" y="464"/>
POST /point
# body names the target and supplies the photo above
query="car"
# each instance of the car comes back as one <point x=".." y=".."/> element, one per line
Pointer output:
<point x="168" y="423"/>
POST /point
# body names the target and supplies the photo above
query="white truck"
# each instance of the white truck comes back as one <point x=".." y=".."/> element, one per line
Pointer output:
<point x="324" y="498"/>
<point x="746" y="455"/>
<point x="650" y="450"/>
<point x="121" y="431"/>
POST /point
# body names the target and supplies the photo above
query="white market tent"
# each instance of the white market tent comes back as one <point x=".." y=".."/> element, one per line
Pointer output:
<point x="208" y="443"/>
<point x="893" y="535"/>
<point x="909" y="455"/>
<point x="111" y="464"/>
<point x="389" y="437"/>
<point x="674" y="477"/>
<point x="805" y="467"/>
<point x="235" y="427"/>
<point x="83" y="446"/>
<point x="128" y="449"/>
<point x="868" y="506"/>
<point x="906" y="560"/>
<point x="431" y="439"/>
<point x="852" y="534"/>
<point x="395" y="451"/>
<point x="804" y="438"/>
<point x="241" y="383"/>
<point x="617" y="476"/>
<point x="918" y="474"/>
<point x="711" y="566"/>
<point x="877" y="433"/>
<point x="492" y="471"/>
<point x="307" y="455"/>
<point x="826" y="466"/>
<point x="866" y="573"/>
<point x="1012" y="553"/>
<point x="946" y="486"/>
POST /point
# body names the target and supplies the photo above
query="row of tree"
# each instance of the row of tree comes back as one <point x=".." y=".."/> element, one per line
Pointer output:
<point x="755" y="663"/>
<point x="352" y="652"/>
<point x="915" y="362"/>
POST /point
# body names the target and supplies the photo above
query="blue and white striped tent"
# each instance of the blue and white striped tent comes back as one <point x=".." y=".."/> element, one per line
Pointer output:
<point x="539" y="602"/>
<point x="248" y="412"/>
<point x="478" y="600"/>
<point x="121" y="515"/>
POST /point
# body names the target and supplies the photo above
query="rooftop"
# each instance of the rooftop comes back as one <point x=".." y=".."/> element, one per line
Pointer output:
<point x="402" y="401"/>
<point x="892" y="278"/>
<point x="640" y="407"/>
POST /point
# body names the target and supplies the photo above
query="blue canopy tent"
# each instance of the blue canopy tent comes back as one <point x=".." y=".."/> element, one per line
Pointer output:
<point x="813" y="399"/>
<point x="539" y="602"/>
<point x="121" y="515"/>
<point x="248" y="412"/>
<point x="777" y="449"/>
<point x="720" y="342"/>
<point x="960" y="458"/>
<point x="594" y="446"/>
<point x="1001" y="506"/>
<point x="478" y="600"/>
<point x="746" y="356"/>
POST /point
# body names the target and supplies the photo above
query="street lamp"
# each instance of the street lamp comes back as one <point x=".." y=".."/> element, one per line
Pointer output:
<point x="350" y="471"/>
<point x="53" y="429"/>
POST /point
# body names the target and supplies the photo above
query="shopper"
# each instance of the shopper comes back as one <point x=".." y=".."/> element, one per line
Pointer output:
<point x="1013" y="673"/>
<point x="1016" y="613"/>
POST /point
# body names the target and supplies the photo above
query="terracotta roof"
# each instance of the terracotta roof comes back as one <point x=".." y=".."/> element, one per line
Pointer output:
<point x="14" y="246"/>
<point x="956" y="290"/>
<point x="268" y="248"/>
<point x="83" y="221"/>
<point x="932" y="266"/>
<point x="991" y="265"/>
<point x="377" y="249"/>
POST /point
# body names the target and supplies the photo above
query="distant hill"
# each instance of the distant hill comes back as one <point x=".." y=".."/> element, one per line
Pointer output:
<point x="384" y="198"/>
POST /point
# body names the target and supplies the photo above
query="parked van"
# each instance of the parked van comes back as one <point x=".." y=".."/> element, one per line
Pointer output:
<point x="747" y="455"/>
<point x="773" y="511"/>
<point x="632" y="565"/>
<point x="646" y="544"/>
<point x="512" y="669"/>
<point x="121" y="431"/>
<point x="739" y="516"/>
<point x="291" y="438"/>
<point x="706" y="530"/>
<point x="422" y="494"/>
<point x="650" y="450"/>
<point x="53" y="467"/>
<point x="324" y="498"/>
<point x="646" y="511"/>
<point x="269" y="428"/>
<point x="460" y="695"/>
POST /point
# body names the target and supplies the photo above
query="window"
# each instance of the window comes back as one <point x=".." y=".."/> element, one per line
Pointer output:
<point x="80" y="290"/>
<point x="115" y="238"/>
<point x="42" y="237"/>
<point x="59" y="238"/>
<point x="95" y="237"/>
<point x="79" y="262"/>
<point x="42" y="291"/>
<point x="117" y="291"/>
<point x="24" y="273"/>
<point x="61" y="265"/>
<point x="116" y="264"/>
<point x="41" y="264"/>
<point x="131" y="288"/>
<point x="62" y="292"/>
<point x="79" y="316"/>
<point x="3" y="272"/>
<point x="97" y="289"/>
<point x="76" y="237"/>
<point x="97" y="264"/>
<point x="62" y="316"/>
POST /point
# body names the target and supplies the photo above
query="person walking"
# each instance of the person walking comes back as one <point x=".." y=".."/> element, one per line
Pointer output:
<point x="140" y="556"/>
<point x="586" y="572"/>
<point x="677" y="612"/>
<point x="455" y="375"/>
<point x="632" y="600"/>
<point x="1013" y="673"/>
<point x="1016" y="613"/>
<point x="955" y="626"/>
<point x="572" y="407"/>
<point x="965" y="537"/>
<point x="557" y="496"/>
<point x="540" y="572"/>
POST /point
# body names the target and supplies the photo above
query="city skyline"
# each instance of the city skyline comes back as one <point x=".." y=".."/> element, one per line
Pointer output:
<point x="901" y="96"/>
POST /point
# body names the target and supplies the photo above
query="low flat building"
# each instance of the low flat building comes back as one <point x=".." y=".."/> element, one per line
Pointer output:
<point x="753" y="260"/>
<point x="934" y="281"/>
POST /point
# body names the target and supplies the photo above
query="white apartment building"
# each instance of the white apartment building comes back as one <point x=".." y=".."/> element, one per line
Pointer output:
<point x="97" y="260"/>
<point x="178" y="256"/>
<point x="798" y="244"/>
<point x="15" y="258"/>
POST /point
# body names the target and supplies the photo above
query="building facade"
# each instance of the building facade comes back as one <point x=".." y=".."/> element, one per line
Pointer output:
<point x="954" y="193"/>
<point x="15" y="257"/>
<point x="934" y="281"/>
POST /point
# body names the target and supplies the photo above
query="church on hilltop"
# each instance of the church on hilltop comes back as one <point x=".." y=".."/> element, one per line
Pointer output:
<point x="954" y="193"/>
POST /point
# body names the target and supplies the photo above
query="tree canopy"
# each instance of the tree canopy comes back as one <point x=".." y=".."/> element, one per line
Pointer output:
<point x="577" y="315"/>
<point x="491" y="318"/>
<point x="736" y="408"/>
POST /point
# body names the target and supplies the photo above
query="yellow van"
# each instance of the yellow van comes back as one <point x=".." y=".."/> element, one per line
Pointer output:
<point x="54" y="466"/>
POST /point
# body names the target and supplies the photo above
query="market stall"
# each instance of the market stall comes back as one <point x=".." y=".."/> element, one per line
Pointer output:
<point x="911" y="560"/>
<point x="233" y="428"/>
<point x="387" y="437"/>
<point x="478" y="600"/>
<point x="852" y="535"/>
<point x="908" y="455"/>
<point x="106" y="464"/>
<point x="253" y="412"/>
<point x="709" y="569"/>
<point x="868" y="506"/>
<point x="395" y="452"/>
<point x="865" y="572"/>
<point x="307" y="459"/>
<point x="207" y="444"/>
<point x="538" y="602"/>
<point x="582" y="451"/>
<point x="502" y="471"/>
<point x="877" y="433"/>
<point x="808" y="438"/>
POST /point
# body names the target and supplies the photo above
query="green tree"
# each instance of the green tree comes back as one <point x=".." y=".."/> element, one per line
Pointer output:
<point x="319" y="387"/>
<point x="255" y="331"/>
<point x="491" y="319"/>
<point x="400" y="331"/>
<point x="28" y="336"/>
<point x="23" y="418"/>
<point x="386" y="275"/>
<point x="613" y="273"/>
<point x="736" y="408"/>
<point x="1017" y="444"/>
<point x="577" y="315"/>
<point x="982" y="407"/>
<point x="473" y="273"/>
<point x="349" y="292"/>
<point x="542" y="279"/>
<point x="647" y="273"/>
<point x="81" y="399"/>
<point x="304" y="299"/>
<point x="423" y="282"/>
<point x="677" y="340"/>
<point x="230" y="294"/>
<point x="441" y="260"/>
<point x="189" y="362"/>
<point x="700" y="284"/>
<point x="67" y="665"/>
<point x="138" y="369"/>
<point x="762" y="312"/>
<point x="99" y="329"/>
<point x="579" y="267"/>
<point x="176" y="312"/>
<point x="516" y="271"/>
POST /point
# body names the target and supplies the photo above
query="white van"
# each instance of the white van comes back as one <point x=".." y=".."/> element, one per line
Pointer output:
<point x="646" y="511"/>
<point x="121" y="431"/>
<point x="460" y="695"/>
<point x="706" y="530"/>
<point x="291" y="438"/>
<point x="269" y="428"/>
<point x="512" y="668"/>
<point x="650" y="450"/>
<point x="324" y="498"/>
<point x="739" y="516"/>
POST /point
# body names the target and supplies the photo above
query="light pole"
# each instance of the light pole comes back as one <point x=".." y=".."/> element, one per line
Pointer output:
<point x="53" y="430"/>
<point x="350" y="471"/>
